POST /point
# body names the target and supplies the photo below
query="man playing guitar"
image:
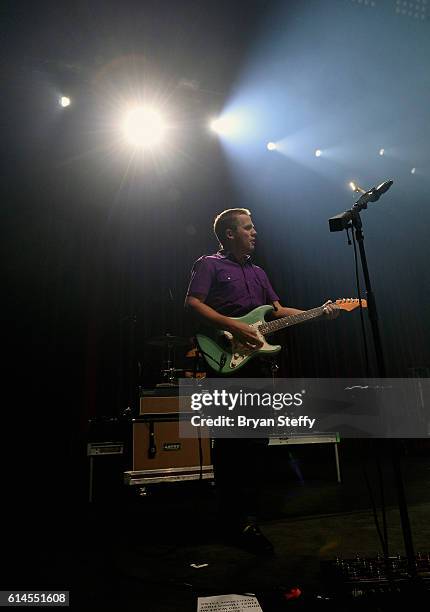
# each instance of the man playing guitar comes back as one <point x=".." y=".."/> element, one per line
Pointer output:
<point x="224" y="285"/>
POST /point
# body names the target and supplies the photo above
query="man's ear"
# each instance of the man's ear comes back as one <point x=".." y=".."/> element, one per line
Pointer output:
<point x="229" y="234"/>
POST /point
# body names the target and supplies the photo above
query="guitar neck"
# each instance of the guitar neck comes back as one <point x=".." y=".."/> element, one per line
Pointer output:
<point x="272" y="326"/>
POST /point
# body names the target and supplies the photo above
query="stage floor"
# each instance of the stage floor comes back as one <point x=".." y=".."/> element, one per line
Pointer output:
<point x="135" y="553"/>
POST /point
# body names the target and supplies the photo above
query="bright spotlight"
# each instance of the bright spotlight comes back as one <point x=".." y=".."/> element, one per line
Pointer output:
<point x="225" y="125"/>
<point x="65" y="101"/>
<point x="381" y="152"/>
<point x="318" y="153"/>
<point x="144" y="127"/>
<point x="413" y="170"/>
<point x="356" y="188"/>
<point x="272" y="146"/>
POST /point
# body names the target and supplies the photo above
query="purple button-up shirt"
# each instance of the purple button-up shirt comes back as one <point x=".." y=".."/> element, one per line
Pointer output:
<point x="230" y="288"/>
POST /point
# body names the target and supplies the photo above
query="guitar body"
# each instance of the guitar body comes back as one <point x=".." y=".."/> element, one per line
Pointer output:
<point x="225" y="354"/>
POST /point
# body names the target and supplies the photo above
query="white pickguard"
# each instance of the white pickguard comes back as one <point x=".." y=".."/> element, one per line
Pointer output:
<point x="239" y="352"/>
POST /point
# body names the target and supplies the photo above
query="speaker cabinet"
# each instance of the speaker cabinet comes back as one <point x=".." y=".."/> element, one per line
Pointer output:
<point x="160" y="405"/>
<point x="157" y="445"/>
<point x="160" y="454"/>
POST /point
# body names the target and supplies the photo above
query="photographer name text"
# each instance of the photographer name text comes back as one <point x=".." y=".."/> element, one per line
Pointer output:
<point x="243" y="421"/>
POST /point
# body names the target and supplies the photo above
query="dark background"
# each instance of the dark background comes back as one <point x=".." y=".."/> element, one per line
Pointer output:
<point x="98" y="245"/>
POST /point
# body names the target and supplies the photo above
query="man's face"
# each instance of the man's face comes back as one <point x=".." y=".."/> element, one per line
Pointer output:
<point x="244" y="234"/>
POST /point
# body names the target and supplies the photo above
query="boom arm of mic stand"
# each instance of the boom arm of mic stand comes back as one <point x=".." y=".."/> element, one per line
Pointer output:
<point x="345" y="219"/>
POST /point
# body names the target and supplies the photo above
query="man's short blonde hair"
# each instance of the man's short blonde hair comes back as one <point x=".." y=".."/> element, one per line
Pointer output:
<point x="227" y="219"/>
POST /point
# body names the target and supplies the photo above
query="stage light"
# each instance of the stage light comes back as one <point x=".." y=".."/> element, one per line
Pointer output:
<point x="318" y="153"/>
<point x="381" y="152"/>
<point x="356" y="188"/>
<point x="413" y="170"/>
<point x="144" y="127"/>
<point x="225" y="125"/>
<point x="272" y="146"/>
<point x="65" y="101"/>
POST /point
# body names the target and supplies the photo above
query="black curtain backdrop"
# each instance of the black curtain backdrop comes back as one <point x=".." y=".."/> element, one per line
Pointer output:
<point x="98" y="246"/>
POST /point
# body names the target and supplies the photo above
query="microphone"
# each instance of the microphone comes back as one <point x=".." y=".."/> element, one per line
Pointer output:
<point x="343" y="220"/>
<point x="376" y="192"/>
<point x="383" y="187"/>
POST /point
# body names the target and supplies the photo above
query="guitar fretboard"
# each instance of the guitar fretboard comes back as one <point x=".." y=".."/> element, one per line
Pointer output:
<point x="277" y="324"/>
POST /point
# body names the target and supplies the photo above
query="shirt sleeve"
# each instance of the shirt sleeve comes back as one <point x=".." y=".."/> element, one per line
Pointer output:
<point x="202" y="277"/>
<point x="271" y="295"/>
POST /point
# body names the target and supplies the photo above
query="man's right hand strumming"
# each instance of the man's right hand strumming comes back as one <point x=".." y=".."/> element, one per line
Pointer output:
<point x="245" y="334"/>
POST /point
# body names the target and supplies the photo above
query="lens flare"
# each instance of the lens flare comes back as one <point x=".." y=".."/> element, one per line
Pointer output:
<point x="144" y="127"/>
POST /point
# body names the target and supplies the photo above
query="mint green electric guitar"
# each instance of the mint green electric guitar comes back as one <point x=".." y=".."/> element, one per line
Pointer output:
<point x="225" y="354"/>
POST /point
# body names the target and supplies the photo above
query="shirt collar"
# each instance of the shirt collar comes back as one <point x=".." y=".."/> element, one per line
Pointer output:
<point x="227" y="255"/>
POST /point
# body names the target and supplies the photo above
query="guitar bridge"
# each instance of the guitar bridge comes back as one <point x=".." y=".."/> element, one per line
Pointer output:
<point x="240" y="352"/>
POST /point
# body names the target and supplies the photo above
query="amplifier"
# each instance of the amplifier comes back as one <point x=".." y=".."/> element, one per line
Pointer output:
<point x="105" y="448"/>
<point x="151" y="404"/>
<point x="160" y="453"/>
<point x="108" y="469"/>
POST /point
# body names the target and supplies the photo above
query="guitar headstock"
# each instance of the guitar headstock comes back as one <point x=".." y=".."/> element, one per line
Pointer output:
<point x="351" y="303"/>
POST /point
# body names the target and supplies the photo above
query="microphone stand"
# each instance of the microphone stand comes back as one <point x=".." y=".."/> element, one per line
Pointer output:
<point x="351" y="219"/>
<point x="370" y="296"/>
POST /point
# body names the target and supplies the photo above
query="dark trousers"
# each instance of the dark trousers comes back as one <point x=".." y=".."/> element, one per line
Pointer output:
<point x="239" y="472"/>
<point x="239" y="464"/>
